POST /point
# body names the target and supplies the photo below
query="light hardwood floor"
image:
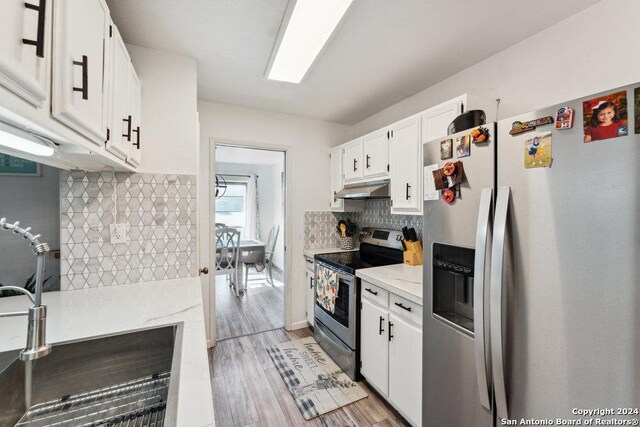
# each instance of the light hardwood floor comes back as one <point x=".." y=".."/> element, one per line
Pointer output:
<point x="259" y="309"/>
<point x="248" y="391"/>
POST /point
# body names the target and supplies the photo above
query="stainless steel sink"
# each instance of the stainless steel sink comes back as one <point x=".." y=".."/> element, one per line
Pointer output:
<point x="126" y="379"/>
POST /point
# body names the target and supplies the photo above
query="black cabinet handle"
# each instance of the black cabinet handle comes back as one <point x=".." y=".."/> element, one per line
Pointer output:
<point x="380" y="330"/>
<point x="407" y="196"/>
<point x="85" y="77"/>
<point x="128" y="122"/>
<point x="137" y="132"/>
<point x="368" y="157"/>
<point x="355" y="161"/>
<point x="399" y="304"/>
<point x="370" y="291"/>
<point x="39" y="41"/>
<point x="310" y="282"/>
<point x="390" y="335"/>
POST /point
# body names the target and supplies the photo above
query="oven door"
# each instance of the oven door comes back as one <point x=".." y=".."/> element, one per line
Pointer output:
<point x="342" y="322"/>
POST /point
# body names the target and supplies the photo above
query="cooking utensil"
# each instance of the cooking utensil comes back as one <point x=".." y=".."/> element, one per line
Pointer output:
<point x="343" y="229"/>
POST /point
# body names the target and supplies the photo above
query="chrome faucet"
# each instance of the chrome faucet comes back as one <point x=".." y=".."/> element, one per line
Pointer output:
<point x="36" y="341"/>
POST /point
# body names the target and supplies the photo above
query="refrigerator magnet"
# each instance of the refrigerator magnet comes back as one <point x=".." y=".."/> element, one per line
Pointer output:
<point x="636" y="103"/>
<point x="446" y="149"/>
<point x="537" y="151"/>
<point x="463" y="146"/>
<point x="480" y="135"/>
<point x="605" y="117"/>
<point x="448" y="196"/>
<point x="521" y="127"/>
<point x="564" y="118"/>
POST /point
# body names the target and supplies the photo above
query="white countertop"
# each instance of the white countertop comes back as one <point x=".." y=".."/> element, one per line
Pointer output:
<point x="400" y="279"/>
<point x="85" y="313"/>
<point x="312" y="252"/>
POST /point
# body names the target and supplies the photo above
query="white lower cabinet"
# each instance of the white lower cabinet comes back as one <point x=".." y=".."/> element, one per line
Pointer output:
<point x="405" y="367"/>
<point x="374" y="349"/>
<point x="391" y="349"/>
<point x="310" y="286"/>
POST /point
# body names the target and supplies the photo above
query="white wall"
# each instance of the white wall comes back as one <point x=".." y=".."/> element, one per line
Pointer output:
<point x="35" y="202"/>
<point x="595" y="50"/>
<point x="270" y="198"/>
<point x="169" y="110"/>
<point x="307" y="142"/>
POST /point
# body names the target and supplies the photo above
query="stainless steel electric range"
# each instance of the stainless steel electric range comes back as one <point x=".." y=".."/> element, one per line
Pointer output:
<point x="338" y="332"/>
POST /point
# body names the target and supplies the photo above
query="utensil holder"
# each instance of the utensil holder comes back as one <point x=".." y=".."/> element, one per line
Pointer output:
<point x="346" y="243"/>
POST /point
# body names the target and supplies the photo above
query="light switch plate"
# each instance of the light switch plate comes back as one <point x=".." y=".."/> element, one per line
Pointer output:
<point x="118" y="233"/>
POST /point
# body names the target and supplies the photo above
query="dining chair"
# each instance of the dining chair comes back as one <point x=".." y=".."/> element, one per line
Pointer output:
<point x="262" y="258"/>
<point x="227" y="254"/>
<point x="220" y="225"/>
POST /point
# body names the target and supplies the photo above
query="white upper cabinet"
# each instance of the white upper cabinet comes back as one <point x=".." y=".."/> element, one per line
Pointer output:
<point x="352" y="167"/>
<point x="436" y="120"/>
<point x="120" y="121"/>
<point x="80" y="68"/>
<point x="335" y="156"/>
<point x="24" y="41"/>
<point x="376" y="154"/>
<point x="135" y="110"/>
<point x="406" y="165"/>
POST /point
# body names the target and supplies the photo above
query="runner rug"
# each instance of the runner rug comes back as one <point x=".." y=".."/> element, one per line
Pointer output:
<point x="316" y="383"/>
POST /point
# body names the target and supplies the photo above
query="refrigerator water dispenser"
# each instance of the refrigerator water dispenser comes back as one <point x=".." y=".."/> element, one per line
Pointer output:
<point x="453" y="286"/>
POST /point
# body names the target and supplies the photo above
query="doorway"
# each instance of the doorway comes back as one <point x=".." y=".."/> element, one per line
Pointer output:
<point x="250" y="198"/>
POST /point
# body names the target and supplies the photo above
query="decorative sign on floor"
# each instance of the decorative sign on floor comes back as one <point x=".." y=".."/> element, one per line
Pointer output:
<point x="315" y="382"/>
<point x="10" y="165"/>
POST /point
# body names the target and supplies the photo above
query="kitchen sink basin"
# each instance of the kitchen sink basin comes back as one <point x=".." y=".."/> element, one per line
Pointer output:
<point x="125" y="379"/>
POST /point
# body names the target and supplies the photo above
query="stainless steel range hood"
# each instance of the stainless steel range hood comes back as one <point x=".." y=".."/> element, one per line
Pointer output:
<point x="365" y="190"/>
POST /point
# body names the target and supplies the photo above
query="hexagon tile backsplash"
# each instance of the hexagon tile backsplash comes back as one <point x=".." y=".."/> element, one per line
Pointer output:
<point x="320" y="226"/>
<point x="160" y="216"/>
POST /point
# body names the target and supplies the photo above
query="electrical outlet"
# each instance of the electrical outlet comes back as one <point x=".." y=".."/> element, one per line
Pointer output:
<point x="118" y="233"/>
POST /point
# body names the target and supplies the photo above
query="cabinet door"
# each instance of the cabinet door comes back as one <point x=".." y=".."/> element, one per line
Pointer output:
<point x="376" y="154"/>
<point x="436" y="120"/>
<point x="406" y="165"/>
<point x="80" y="77"/>
<point x="352" y="161"/>
<point x="311" y="295"/>
<point x="119" y="137"/>
<point x="374" y="350"/>
<point x="336" y="178"/>
<point x="135" y="110"/>
<point x="24" y="37"/>
<point x="405" y="368"/>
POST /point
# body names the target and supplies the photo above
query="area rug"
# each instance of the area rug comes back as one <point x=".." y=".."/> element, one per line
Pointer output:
<point x="314" y="380"/>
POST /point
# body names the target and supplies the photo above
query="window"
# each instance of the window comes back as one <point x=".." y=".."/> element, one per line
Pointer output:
<point x="231" y="209"/>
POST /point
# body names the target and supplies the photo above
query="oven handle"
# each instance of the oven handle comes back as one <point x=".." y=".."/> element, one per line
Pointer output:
<point x="345" y="277"/>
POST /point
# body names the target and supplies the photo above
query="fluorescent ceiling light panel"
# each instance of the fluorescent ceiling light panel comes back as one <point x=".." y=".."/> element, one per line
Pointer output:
<point x="309" y="28"/>
<point x="20" y="141"/>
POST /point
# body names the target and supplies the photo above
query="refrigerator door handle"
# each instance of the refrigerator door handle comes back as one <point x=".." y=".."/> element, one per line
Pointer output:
<point x="496" y="301"/>
<point x="482" y="235"/>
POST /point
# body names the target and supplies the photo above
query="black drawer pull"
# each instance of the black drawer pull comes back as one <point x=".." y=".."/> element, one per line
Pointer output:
<point x="407" y="194"/>
<point x="370" y="291"/>
<point x="39" y="41"/>
<point x="390" y="335"/>
<point x="380" y="329"/>
<point x="399" y="304"/>
<point x="137" y="132"/>
<point x="85" y="77"/>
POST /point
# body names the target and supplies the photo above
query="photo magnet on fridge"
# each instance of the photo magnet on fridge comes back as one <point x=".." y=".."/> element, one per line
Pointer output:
<point x="463" y="146"/>
<point x="605" y="117"/>
<point x="446" y="149"/>
<point x="564" y="118"/>
<point x="537" y="151"/>
<point x="636" y="103"/>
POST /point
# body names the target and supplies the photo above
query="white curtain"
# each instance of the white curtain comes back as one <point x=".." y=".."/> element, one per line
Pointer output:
<point x="252" y="208"/>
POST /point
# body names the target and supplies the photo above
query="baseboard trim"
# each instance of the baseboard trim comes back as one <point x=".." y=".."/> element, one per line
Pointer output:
<point x="299" y="325"/>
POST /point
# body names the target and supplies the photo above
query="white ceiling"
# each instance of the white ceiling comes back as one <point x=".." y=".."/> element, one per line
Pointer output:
<point x="382" y="52"/>
<point x="248" y="156"/>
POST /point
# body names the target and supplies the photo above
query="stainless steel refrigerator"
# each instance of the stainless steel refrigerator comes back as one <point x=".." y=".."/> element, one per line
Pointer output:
<point x="532" y="276"/>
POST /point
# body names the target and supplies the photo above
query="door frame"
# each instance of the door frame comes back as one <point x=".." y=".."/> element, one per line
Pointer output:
<point x="207" y="230"/>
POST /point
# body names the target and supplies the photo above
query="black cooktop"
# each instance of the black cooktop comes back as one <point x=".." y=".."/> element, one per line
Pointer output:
<point x="367" y="256"/>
